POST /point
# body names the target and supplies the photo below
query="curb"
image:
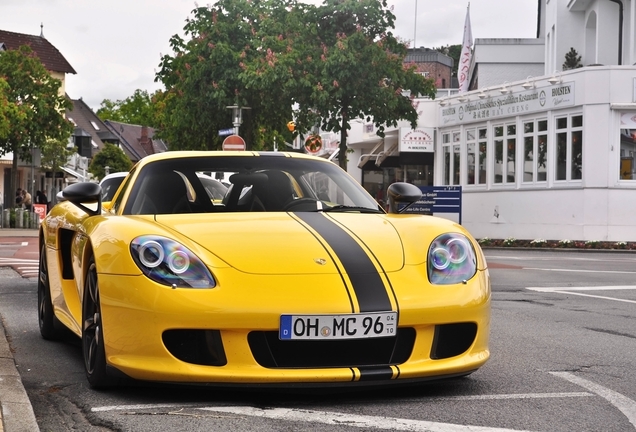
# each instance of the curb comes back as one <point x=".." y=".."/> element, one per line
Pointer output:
<point x="17" y="412"/>
<point x="555" y="249"/>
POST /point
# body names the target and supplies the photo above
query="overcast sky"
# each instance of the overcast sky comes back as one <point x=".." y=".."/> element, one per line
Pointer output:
<point x="115" y="45"/>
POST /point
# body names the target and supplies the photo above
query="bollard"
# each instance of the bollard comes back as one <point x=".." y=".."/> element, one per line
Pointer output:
<point x="18" y="217"/>
<point x="6" y="218"/>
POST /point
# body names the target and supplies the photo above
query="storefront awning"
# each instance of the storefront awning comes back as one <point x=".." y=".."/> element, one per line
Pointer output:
<point x="74" y="173"/>
<point x="384" y="154"/>
<point x="373" y="153"/>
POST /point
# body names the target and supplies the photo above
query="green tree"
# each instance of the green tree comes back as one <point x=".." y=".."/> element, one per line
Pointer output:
<point x="110" y="156"/>
<point x="137" y="109"/>
<point x="572" y="60"/>
<point x="54" y="154"/>
<point x="7" y="109"/>
<point x="335" y="63"/>
<point x="38" y="113"/>
<point x="341" y="63"/>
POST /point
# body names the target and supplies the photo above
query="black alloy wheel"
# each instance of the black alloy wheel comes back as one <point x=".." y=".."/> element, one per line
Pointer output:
<point x="49" y="324"/>
<point x="92" y="332"/>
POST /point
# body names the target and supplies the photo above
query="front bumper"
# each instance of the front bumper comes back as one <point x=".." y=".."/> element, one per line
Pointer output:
<point x="234" y="327"/>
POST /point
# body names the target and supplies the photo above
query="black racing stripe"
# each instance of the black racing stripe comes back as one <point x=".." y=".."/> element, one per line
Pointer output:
<point x="376" y="373"/>
<point x="367" y="283"/>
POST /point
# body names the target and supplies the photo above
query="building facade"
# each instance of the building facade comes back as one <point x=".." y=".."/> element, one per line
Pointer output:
<point x="539" y="152"/>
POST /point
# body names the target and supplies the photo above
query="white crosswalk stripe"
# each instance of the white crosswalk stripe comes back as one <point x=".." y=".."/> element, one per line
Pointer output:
<point x="26" y="267"/>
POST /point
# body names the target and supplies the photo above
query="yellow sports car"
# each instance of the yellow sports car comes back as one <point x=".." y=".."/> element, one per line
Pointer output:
<point x="296" y="276"/>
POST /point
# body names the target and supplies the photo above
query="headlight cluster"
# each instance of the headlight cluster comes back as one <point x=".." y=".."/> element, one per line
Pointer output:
<point x="451" y="260"/>
<point x="169" y="263"/>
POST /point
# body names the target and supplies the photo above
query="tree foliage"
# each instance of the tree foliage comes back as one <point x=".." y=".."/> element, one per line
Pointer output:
<point x="36" y="112"/>
<point x="8" y="109"/>
<point x="203" y="78"/>
<point x="572" y="60"/>
<point x="332" y="64"/>
<point x="362" y="74"/>
<point x="137" y="109"/>
<point x="54" y="154"/>
<point x="110" y="156"/>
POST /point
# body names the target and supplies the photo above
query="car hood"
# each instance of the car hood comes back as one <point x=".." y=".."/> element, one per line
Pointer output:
<point x="294" y="243"/>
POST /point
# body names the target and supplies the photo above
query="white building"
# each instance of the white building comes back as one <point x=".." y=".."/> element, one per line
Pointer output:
<point x="539" y="152"/>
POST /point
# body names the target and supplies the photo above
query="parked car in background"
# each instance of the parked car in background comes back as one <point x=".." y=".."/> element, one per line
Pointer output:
<point x="110" y="183"/>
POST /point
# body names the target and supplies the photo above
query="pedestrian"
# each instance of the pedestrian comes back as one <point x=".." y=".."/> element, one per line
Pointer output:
<point x="18" y="197"/>
<point x="26" y="200"/>
<point x="41" y="198"/>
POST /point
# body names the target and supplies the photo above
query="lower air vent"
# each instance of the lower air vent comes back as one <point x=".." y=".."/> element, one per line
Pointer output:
<point x="202" y="347"/>
<point x="452" y="339"/>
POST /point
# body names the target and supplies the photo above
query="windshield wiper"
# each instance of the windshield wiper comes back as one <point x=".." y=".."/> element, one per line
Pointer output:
<point x="346" y="208"/>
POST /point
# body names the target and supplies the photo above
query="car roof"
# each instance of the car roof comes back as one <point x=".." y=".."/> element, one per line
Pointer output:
<point x="114" y="175"/>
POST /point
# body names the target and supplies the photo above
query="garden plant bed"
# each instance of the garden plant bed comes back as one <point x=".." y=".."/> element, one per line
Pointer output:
<point x="557" y="244"/>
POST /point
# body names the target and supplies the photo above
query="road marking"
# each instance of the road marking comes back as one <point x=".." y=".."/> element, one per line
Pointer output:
<point x="572" y="291"/>
<point x="132" y="407"/>
<point x="11" y="260"/>
<point x="26" y="267"/>
<point x="352" y="420"/>
<point x="445" y="398"/>
<point x="515" y="396"/>
<point x="623" y="403"/>
<point x="579" y="271"/>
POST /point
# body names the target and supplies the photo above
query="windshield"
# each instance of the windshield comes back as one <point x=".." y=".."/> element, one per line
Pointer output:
<point x="265" y="183"/>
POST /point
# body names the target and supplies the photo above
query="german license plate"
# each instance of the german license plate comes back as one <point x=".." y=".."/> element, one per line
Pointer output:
<point x="345" y="326"/>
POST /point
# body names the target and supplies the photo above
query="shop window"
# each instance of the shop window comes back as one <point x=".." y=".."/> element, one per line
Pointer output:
<point x="627" y="166"/>
<point x="535" y="155"/>
<point x="505" y="144"/>
<point x="447" y="158"/>
<point x="476" y="146"/>
<point x="569" y="148"/>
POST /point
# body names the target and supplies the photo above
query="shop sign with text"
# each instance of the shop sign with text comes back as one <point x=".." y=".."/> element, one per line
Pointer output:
<point x="518" y="103"/>
<point x="417" y="140"/>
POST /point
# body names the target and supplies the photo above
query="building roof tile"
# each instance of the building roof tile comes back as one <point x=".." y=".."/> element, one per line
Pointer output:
<point x="50" y="57"/>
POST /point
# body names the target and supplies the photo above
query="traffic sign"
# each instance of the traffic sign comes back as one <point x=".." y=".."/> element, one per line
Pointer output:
<point x="225" y="132"/>
<point x="233" y="143"/>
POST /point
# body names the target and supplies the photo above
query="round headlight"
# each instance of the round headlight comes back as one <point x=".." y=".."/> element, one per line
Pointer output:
<point x="151" y="253"/>
<point x="451" y="259"/>
<point x="440" y="258"/>
<point x="457" y="249"/>
<point x="178" y="262"/>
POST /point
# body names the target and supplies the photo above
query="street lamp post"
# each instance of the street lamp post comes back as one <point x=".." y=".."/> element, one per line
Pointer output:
<point x="237" y="116"/>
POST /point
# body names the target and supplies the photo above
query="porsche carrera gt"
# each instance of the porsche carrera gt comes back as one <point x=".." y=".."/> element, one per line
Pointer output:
<point x="293" y="275"/>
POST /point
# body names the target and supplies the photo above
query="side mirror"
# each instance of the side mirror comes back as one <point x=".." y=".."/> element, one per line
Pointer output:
<point x="402" y="193"/>
<point x="81" y="194"/>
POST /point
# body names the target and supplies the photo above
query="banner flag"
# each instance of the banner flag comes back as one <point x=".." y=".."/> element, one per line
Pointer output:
<point x="463" y="68"/>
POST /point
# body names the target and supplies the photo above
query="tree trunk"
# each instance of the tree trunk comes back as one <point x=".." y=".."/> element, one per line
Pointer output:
<point x="342" y="148"/>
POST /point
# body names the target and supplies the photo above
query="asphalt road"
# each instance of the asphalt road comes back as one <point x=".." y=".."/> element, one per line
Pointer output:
<point x="563" y="345"/>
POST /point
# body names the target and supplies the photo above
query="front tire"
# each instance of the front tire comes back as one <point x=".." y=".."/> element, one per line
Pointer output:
<point x="93" y="332"/>
<point x="48" y="322"/>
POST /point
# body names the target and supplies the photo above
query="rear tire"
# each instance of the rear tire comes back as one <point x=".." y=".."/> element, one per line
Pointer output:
<point x="50" y="327"/>
<point x="93" y="332"/>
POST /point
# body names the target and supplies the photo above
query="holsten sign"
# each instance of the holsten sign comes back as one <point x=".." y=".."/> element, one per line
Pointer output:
<point x="535" y="100"/>
<point x="417" y="140"/>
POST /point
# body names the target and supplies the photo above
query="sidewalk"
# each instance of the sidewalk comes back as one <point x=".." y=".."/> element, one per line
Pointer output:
<point x="16" y="412"/>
